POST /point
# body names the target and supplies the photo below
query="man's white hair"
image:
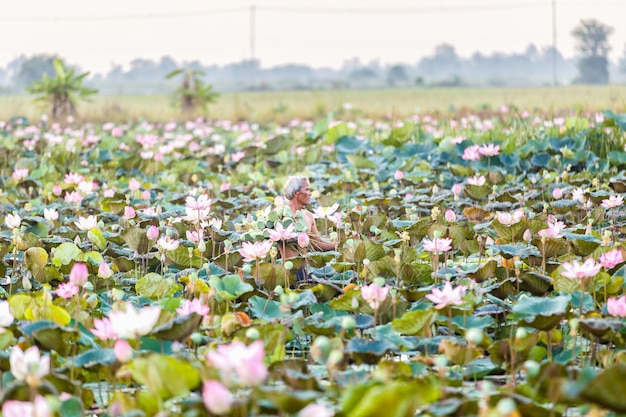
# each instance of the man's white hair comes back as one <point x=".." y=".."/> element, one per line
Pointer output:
<point x="293" y="185"/>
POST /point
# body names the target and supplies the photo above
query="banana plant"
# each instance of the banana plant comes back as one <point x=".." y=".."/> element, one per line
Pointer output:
<point x="193" y="92"/>
<point x="63" y="91"/>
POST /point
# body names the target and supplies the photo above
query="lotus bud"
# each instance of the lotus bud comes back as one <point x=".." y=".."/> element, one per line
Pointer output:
<point x="354" y="303"/>
<point x="348" y="323"/>
<point x="518" y="264"/>
<point x="393" y="193"/>
<point x="253" y="333"/>
<point x="366" y="262"/>
<point x="246" y="269"/>
<point x="321" y="349"/>
<point x="26" y="284"/>
<point x="506" y="406"/>
<point x="335" y="357"/>
<point x="527" y="236"/>
<point x="288" y="265"/>
<point x="450" y="216"/>
<point x="278" y="290"/>
<point x="521" y="333"/>
<point x="532" y="368"/>
<point x="293" y="297"/>
<point x="573" y="324"/>
<point x="435" y="189"/>
<point x="413" y="217"/>
<point x="474" y="336"/>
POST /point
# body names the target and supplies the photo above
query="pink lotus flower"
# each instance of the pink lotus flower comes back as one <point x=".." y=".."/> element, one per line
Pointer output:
<point x="145" y="195"/>
<point x="6" y="318"/>
<point x="152" y="233"/>
<point x="225" y="186"/>
<point x="237" y="156"/>
<point x="617" y="306"/>
<point x="255" y="251"/>
<point x="103" y="329"/>
<point x="612" y="202"/>
<point x="448" y="296"/>
<point x="38" y="408"/>
<point x="57" y="190"/>
<point x="450" y="216"/>
<point x="471" y="153"/>
<point x="303" y="239"/>
<point x="437" y="244"/>
<point x="325" y="212"/>
<point x="457" y="189"/>
<point x="576" y="270"/>
<point x="554" y="230"/>
<point x="79" y="274"/>
<point x="374" y="295"/>
<point x="20" y="174"/>
<point x="398" y="175"/>
<point x="134" y="185"/>
<point x="280" y="233"/>
<point x="66" y="290"/>
<point x="132" y="323"/>
<point x="246" y="362"/>
<point x="73" y="197"/>
<point x="87" y="223"/>
<point x="123" y="351"/>
<point x="129" y="212"/>
<point x="13" y="221"/>
<point x="203" y="202"/>
<point x="216" y="397"/>
<point x="611" y="258"/>
<point x="50" y="214"/>
<point x="194" y="236"/>
<point x="475" y="180"/>
<point x="194" y="306"/>
<point x="73" y="178"/>
<point x="167" y="243"/>
<point x="104" y="270"/>
<point x="489" y="150"/>
<point x="29" y="366"/>
<point x="557" y="193"/>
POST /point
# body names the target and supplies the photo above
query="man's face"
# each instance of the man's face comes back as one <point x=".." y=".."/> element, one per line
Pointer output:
<point x="303" y="195"/>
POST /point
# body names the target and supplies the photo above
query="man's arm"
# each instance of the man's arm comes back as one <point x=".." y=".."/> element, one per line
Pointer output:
<point x="315" y="240"/>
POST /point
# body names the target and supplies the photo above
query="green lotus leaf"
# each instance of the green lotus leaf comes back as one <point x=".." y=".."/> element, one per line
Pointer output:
<point x="414" y="323"/>
<point x="542" y="313"/>
<point x="95" y="236"/>
<point x="178" y="329"/>
<point x="155" y="373"/>
<point x="515" y="249"/>
<point x="65" y="253"/>
<point x="608" y="388"/>
<point x="290" y="401"/>
<point x="154" y="286"/>
<point x="336" y="132"/>
<point x="51" y="335"/>
<point x="94" y="358"/>
<point x="180" y="257"/>
<point x="393" y="399"/>
<point x="458" y="353"/>
<point x="229" y="287"/>
<point x="368" y="351"/>
<point x="264" y="309"/>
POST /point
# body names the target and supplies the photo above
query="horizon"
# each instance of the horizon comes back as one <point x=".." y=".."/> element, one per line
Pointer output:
<point x="98" y="36"/>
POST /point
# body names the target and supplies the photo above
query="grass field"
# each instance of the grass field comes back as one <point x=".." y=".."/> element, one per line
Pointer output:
<point x="287" y="105"/>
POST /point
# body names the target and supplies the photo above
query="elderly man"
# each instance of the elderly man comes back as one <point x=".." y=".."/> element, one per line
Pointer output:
<point x="297" y="191"/>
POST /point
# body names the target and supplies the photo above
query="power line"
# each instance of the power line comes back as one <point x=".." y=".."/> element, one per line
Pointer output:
<point x="125" y="17"/>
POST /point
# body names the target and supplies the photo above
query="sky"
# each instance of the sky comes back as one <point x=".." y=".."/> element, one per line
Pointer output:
<point x="96" y="35"/>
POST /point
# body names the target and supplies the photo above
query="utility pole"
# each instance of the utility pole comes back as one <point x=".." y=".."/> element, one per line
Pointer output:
<point x="554" y="50"/>
<point x="252" y="41"/>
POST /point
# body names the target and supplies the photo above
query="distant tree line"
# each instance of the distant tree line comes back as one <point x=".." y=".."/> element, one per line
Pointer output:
<point x="444" y="67"/>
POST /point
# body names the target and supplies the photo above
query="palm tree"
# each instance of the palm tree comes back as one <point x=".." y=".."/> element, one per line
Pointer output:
<point x="193" y="92"/>
<point x="63" y="91"/>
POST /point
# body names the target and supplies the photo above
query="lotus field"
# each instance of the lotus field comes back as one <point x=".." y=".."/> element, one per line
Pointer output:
<point x="479" y="269"/>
